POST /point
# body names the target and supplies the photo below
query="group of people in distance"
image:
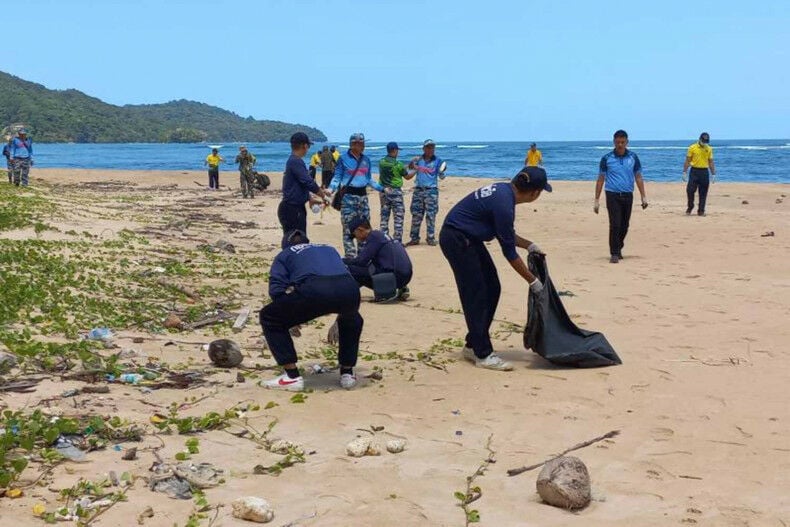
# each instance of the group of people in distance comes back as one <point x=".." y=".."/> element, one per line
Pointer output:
<point x="310" y="280"/>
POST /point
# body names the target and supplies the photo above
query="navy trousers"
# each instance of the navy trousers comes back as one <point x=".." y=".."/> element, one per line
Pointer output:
<point x="364" y="276"/>
<point x="315" y="297"/>
<point x="618" y="205"/>
<point x="292" y="217"/>
<point x="478" y="286"/>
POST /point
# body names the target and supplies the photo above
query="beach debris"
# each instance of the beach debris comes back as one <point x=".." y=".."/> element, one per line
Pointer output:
<point x="138" y="340"/>
<point x="375" y="375"/>
<point x="363" y="446"/>
<point x="173" y="321"/>
<point x="186" y="291"/>
<point x="565" y="482"/>
<point x="103" y="334"/>
<point x="130" y="378"/>
<point x="215" y="317"/>
<point x="333" y="336"/>
<point x="778" y="200"/>
<point x="396" y="446"/>
<point x="70" y="393"/>
<point x="767" y="234"/>
<point x="744" y="202"/>
<point x="95" y="389"/>
<point x="241" y="319"/>
<point x="283" y="446"/>
<point x="148" y="512"/>
<point x="253" y="509"/>
<point x="240" y="377"/>
<point x="66" y="448"/>
<point x="130" y="455"/>
<point x="295" y="331"/>
<point x="14" y="493"/>
<point x="7" y="361"/>
<point x="225" y="353"/>
<point x="224" y="245"/>
<point x="179" y="480"/>
<point x="566" y="293"/>
<point x="608" y="435"/>
<point x="200" y="475"/>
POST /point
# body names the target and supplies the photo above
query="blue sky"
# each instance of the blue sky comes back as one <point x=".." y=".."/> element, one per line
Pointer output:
<point x="452" y="70"/>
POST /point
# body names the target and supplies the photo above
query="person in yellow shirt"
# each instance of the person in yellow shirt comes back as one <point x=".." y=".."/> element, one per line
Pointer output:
<point x="534" y="156"/>
<point x="212" y="162"/>
<point x="335" y="152"/>
<point x="315" y="162"/>
<point x="703" y="172"/>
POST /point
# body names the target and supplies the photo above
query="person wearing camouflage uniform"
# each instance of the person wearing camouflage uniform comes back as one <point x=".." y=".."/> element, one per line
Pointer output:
<point x="353" y="172"/>
<point x="391" y="175"/>
<point x="21" y="152"/>
<point x="425" y="200"/>
<point x="246" y="162"/>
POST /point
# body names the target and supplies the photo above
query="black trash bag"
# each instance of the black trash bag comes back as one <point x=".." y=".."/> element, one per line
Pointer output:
<point x="551" y="333"/>
<point x="262" y="181"/>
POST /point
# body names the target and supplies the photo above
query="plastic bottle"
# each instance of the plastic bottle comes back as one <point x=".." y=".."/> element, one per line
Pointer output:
<point x="130" y="378"/>
<point x="316" y="208"/>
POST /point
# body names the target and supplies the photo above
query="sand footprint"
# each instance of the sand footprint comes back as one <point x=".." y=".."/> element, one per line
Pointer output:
<point x="662" y="434"/>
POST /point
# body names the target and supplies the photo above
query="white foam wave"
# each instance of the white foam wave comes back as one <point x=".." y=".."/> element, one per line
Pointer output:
<point x="757" y="147"/>
<point x="472" y="146"/>
<point x="659" y="147"/>
<point x="374" y="147"/>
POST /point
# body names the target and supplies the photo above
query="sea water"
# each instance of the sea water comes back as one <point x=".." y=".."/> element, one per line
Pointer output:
<point x="741" y="160"/>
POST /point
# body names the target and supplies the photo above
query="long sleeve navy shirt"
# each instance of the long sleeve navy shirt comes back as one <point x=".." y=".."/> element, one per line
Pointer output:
<point x="384" y="253"/>
<point x="297" y="183"/>
<point x="487" y="213"/>
<point x="296" y="264"/>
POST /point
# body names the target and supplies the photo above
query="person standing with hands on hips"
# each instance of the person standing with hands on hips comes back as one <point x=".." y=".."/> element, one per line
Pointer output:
<point x="483" y="215"/>
<point x="353" y="174"/>
<point x="703" y="172"/>
<point x="425" y="200"/>
<point x="619" y="169"/>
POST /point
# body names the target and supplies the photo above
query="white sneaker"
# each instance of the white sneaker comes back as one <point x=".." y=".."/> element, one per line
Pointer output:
<point x="469" y="354"/>
<point x="348" y="381"/>
<point x="493" y="362"/>
<point x="283" y="382"/>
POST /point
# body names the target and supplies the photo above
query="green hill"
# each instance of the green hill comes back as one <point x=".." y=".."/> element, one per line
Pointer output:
<point x="65" y="116"/>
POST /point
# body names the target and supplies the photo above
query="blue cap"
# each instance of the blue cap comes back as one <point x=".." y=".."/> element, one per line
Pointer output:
<point x="531" y="178"/>
<point x="392" y="146"/>
<point x="355" y="223"/>
<point x="428" y="142"/>
<point x="358" y="137"/>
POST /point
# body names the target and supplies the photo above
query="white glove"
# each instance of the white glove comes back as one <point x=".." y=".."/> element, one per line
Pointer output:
<point x="684" y="177"/>
<point x="536" y="286"/>
<point x="713" y="178"/>
<point x="596" y="206"/>
<point x="533" y="248"/>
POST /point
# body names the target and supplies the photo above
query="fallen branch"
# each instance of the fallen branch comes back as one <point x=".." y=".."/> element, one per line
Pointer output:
<point x="164" y="282"/>
<point x="520" y="470"/>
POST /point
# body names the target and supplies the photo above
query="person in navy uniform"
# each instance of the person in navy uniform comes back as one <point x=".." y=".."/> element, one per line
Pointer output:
<point x="619" y="169"/>
<point x="379" y="253"/>
<point x="483" y="215"/>
<point x="307" y="281"/>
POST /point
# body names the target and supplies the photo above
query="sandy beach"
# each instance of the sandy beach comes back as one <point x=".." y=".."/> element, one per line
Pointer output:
<point x="698" y="311"/>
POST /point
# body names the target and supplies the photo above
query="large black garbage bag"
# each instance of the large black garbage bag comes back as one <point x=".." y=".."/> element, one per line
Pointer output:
<point x="551" y="333"/>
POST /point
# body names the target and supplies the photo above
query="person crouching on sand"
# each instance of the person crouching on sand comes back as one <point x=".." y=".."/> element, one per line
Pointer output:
<point x="483" y="215"/>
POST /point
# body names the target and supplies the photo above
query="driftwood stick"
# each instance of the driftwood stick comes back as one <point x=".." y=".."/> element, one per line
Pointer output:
<point x="180" y="288"/>
<point x="520" y="470"/>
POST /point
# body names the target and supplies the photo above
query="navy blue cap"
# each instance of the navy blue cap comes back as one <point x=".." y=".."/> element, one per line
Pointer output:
<point x="294" y="237"/>
<point x="392" y="146"/>
<point x="429" y="142"/>
<point x="300" y="138"/>
<point x="355" y="223"/>
<point x="358" y="137"/>
<point x="531" y="178"/>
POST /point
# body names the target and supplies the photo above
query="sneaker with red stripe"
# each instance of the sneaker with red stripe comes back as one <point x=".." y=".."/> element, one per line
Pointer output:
<point x="283" y="382"/>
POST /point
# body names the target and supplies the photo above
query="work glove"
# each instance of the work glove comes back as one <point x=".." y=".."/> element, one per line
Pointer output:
<point x="684" y="177"/>
<point x="596" y="206"/>
<point x="536" y="286"/>
<point x="713" y="178"/>
<point x="533" y="248"/>
<point x="644" y="203"/>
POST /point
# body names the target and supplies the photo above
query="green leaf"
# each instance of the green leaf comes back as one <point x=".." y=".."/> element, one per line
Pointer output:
<point x="270" y="405"/>
<point x="182" y="456"/>
<point x="460" y="496"/>
<point x="473" y="516"/>
<point x="19" y="464"/>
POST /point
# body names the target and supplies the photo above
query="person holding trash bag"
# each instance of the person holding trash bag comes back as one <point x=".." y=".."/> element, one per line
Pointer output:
<point x="483" y="215"/>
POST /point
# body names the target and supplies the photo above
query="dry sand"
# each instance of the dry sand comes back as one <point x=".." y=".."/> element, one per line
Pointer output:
<point x="698" y="311"/>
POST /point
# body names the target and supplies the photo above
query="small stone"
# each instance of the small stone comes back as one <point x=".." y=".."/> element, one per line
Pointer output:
<point x="225" y="353"/>
<point x="130" y="455"/>
<point x="396" y="446"/>
<point x="283" y="446"/>
<point x="252" y="509"/>
<point x="138" y="340"/>
<point x="148" y="512"/>
<point x="295" y="331"/>
<point x="565" y="482"/>
<point x="358" y="447"/>
<point x="173" y="321"/>
<point x="7" y="361"/>
<point x="744" y="202"/>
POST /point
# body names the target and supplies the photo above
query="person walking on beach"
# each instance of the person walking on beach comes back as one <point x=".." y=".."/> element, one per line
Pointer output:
<point x="703" y="172"/>
<point x="21" y="152"/>
<point x="7" y="156"/>
<point x="353" y="174"/>
<point x="212" y="162"/>
<point x="246" y="162"/>
<point x="379" y="254"/>
<point x="328" y="163"/>
<point x="297" y="187"/>
<point x="315" y="162"/>
<point x="619" y="169"/>
<point x="534" y="156"/>
<point x="425" y="200"/>
<point x="483" y="215"/>
<point x="307" y="281"/>
<point x="391" y="175"/>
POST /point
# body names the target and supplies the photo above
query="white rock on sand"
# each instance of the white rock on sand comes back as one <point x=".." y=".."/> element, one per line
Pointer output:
<point x="252" y="509"/>
<point x="565" y="482"/>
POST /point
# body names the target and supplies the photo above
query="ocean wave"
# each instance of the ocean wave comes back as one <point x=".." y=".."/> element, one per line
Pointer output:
<point x="375" y="147"/>
<point x="757" y="147"/>
<point x="659" y="147"/>
<point x="472" y="146"/>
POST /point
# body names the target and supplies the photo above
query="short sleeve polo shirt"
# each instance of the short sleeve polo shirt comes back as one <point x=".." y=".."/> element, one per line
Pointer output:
<point x="700" y="155"/>
<point x="619" y="171"/>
